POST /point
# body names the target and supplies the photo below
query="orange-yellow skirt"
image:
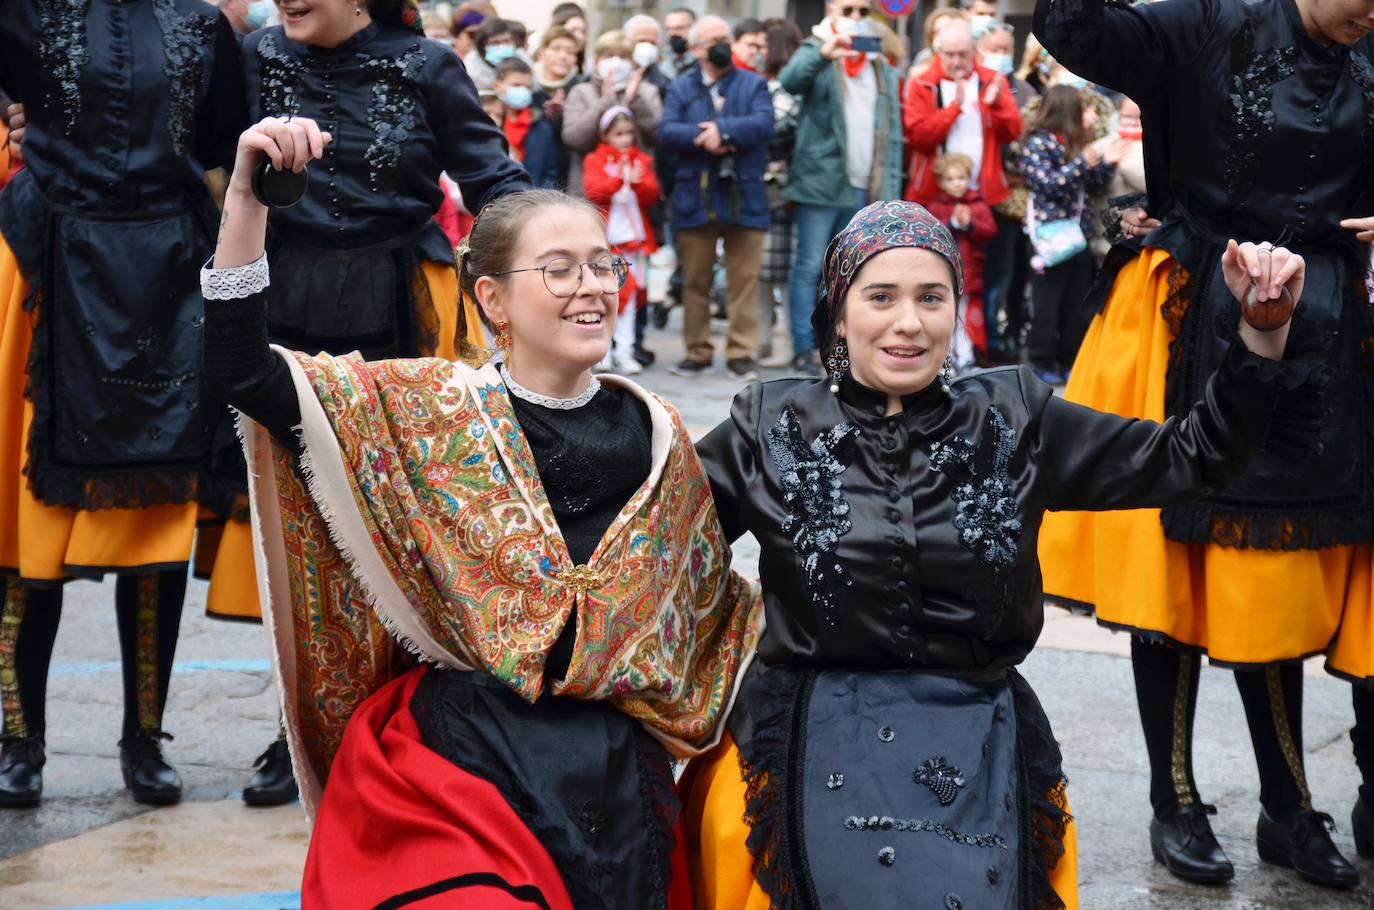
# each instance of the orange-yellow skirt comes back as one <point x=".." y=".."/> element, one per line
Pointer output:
<point x="1239" y="606"/>
<point x="224" y="549"/>
<point x="46" y="543"/>
<point x="713" y="796"/>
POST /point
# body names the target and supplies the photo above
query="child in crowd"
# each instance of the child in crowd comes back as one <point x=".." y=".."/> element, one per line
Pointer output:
<point x="514" y="85"/>
<point x="959" y="205"/>
<point x="619" y="178"/>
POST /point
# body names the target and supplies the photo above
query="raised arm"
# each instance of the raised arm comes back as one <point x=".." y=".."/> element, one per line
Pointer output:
<point x="1129" y="48"/>
<point x="238" y="366"/>
<point x="1098" y="461"/>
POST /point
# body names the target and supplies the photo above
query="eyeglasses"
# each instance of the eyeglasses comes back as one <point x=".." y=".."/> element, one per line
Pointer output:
<point x="563" y="276"/>
<point x="855" y="12"/>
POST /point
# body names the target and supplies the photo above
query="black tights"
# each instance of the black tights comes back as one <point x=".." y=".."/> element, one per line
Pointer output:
<point x="1362" y="737"/>
<point x="1166" y="689"/>
<point x="148" y="614"/>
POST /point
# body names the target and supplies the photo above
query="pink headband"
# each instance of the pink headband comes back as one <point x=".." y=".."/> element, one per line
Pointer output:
<point x="616" y="110"/>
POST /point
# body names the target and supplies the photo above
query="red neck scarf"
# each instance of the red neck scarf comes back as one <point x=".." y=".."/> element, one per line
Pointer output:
<point x="516" y="128"/>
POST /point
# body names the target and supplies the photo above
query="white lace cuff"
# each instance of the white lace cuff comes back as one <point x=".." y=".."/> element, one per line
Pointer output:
<point x="236" y="283"/>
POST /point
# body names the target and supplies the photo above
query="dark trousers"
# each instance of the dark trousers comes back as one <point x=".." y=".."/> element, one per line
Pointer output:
<point x="1058" y="312"/>
<point x="1004" y="283"/>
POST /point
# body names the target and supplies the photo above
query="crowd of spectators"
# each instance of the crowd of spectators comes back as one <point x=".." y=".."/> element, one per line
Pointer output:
<point x="733" y="152"/>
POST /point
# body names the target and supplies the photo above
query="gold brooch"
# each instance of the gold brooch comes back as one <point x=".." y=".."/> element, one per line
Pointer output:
<point x="581" y="578"/>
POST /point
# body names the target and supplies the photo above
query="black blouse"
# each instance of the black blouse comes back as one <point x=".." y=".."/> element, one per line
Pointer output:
<point x="1250" y="125"/>
<point x="128" y="103"/>
<point x="909" y="542"/>
<point x="401" y="110"/>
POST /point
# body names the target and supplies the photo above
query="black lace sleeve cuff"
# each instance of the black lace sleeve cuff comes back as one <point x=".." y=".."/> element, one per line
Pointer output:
<point x="1111" y="218"/>
<point x="1296" y="388"/>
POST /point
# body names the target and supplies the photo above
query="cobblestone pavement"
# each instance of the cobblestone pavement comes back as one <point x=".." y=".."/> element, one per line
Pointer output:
<point x="90" y="844"/>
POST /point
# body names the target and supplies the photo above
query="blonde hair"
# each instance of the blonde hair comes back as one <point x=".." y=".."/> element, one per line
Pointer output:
<point x="613" y="42"/>
<point x="946" y="163"/>
<point x="1030" y="57"/>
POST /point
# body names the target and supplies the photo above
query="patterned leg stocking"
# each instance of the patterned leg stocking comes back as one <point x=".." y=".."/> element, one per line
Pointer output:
<point x="28" y="627"/>
<point x="148" y="608"/>
<point x="1166" y="681"/>
<point x="1273" y="707"/>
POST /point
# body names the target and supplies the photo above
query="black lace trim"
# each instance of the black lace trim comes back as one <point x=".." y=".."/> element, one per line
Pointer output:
<point x="1111" y="218"/>
<point x="279" y="93"/>
<point x="1044" y="798"/>
<point x="184" y="39"/>
<point x="62" y="48"/>
<point x="1362" y="71"/>
<point x="392" y="113"/>
<point x="770" y="757"/>
<point x="1250" y="97"/>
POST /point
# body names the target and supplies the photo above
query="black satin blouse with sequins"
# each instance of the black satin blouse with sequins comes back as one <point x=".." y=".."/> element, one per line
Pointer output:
<point x="128" y="103"/>
<point x="909" y="542"/>
<point x="401" y="109"/>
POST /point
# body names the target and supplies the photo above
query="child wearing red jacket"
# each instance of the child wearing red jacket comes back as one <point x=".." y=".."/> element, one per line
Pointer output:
<point x="619" y="179"/>
<point x="960" y="206"/>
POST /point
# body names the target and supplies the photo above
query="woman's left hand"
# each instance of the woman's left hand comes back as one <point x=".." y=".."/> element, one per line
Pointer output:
<point x="1267" y="271"/>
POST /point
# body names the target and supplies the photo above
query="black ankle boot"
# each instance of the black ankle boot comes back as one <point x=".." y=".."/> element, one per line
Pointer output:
<point x="1302" y="841"/>
<point x="1362" y="825"/>
<point x="1182" y="840"/>
<point x="272" y="784"/>
<point x="21" y="771"/>
<point x="150" y="779"/>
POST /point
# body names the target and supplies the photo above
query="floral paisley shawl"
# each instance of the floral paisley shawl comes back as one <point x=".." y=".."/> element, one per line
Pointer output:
<point x="422" y="525"/>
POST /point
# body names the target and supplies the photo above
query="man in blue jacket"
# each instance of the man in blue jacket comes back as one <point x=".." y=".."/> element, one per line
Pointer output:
<point x="718" y="120"/>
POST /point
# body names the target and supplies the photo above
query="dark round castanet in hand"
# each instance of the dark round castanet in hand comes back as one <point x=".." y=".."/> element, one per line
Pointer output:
<point x="1271" y="314"/>
<point x="279" y="189"/>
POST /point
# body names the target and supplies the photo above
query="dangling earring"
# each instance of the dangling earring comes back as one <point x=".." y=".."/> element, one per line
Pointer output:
<point x="947" y="372"/>
<point x="837" y="364"/>
<point x="503" y="341"/>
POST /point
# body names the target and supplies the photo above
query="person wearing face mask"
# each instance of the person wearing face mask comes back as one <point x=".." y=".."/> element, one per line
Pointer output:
<point x="959" y="105"/>
<point x="884" y="752"/>
<point x="249" y="15"/>
<point x="719" y="121"/>
<point x="677" y="56"/>
<point x="615" y="81"/>
<point x="750" y="44"/>
<point x="514" y="85"/>
<point x="359" y="263"/>
<point x="496" y="40"/>
<point x="848" y="150"/>
<point x="646" y="37"/>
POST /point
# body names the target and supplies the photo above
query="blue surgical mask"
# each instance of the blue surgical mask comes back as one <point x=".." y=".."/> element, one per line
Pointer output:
<point x="980" y="24"/>
<point x="258" y="13"/>
<point x="1073" y="80"/>
<point x="998" y="63"/>
<point x="518" y="97"/>
<point x="495" y="55"/>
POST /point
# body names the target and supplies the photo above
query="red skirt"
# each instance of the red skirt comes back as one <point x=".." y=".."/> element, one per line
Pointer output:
<point x="401" y="826"/>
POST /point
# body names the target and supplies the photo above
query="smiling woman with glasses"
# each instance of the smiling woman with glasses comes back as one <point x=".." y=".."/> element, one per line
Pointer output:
<point x="541" y="538"/>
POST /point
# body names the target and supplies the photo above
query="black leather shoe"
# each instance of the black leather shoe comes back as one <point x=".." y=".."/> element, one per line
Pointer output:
<point x="1184" y="843"/>
<point x="1302" y="841"/>
<point x="21" y="771"/>
<point x="150" y="779"/>
<point x="1362" y="825"/>
<point x="272" y="783"/>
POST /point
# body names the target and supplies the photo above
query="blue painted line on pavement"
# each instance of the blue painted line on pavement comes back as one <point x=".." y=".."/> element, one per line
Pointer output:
<point x="281" y="900"/>
<point x="96" y="667"/>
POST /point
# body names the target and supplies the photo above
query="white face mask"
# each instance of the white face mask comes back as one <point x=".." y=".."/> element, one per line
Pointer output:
<point x="645" y="54"/>
<point x="615" y="70"/>
<point x="998" y="63"/>
<point x="851" y="27"/>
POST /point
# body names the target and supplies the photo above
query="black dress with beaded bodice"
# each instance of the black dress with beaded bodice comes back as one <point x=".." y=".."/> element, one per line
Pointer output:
<point x="884" y="725"/>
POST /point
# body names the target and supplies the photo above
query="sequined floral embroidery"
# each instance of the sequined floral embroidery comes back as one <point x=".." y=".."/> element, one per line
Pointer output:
<point x="281" y="79"/>
<point x="810" y="475"/>
<point x="392" y="112"/>
<point x="184" y="40"/>
<point x="62" y="48"/>
<point x="985" y="505"/>
<point x="944" y="780"/>
<point x="1250" y="97"/>
<point x="888" y="823"/>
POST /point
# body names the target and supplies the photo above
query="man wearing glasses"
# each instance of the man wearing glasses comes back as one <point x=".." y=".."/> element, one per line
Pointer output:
<point x="848" y="151"/>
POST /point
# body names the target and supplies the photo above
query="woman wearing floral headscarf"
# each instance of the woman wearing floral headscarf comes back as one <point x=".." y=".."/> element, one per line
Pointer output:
<point x="883" y="743"/>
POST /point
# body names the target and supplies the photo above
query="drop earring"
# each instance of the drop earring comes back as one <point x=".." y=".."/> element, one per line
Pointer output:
<point x="837" y="364"/>
<point x="503" y="341"/>
<point x="947" y="372"/>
